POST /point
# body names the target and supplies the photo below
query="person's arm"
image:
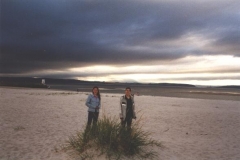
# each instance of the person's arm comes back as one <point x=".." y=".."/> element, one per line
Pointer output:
<point x="88" y="102"/>
<point x="134" y="113"/>
<point x="121" y="112"/>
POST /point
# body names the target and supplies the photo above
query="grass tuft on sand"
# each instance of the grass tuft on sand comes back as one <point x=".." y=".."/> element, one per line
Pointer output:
<point x="109" y="138"/>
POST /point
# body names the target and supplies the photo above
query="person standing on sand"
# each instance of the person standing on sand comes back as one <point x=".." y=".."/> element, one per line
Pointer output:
<point x="93" y="104"/>
<point x="127" y="107"/>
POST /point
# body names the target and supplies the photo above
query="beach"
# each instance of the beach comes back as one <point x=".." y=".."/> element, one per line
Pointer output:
<point x="35" y="123"/>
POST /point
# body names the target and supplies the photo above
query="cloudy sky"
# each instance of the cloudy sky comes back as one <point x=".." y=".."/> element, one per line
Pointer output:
<point x="187" y="41"/>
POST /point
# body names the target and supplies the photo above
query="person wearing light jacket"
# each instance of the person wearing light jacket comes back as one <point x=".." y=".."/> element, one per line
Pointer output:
<point x="127" y="107"/>
<point x="93" y="103"/>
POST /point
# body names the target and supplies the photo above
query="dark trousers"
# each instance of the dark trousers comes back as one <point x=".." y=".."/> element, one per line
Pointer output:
<point x="128" y="121"/>
<point x="92" y="117"/>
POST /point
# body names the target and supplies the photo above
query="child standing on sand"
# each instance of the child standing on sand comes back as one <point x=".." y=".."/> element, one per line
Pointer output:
<point x="93" y="104"/>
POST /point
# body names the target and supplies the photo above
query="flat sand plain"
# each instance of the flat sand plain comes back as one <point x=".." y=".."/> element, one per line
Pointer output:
<point x="34" y="123"/>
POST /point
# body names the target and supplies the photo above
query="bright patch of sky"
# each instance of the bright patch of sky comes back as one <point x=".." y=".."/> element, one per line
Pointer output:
<point x="204" y="70"/>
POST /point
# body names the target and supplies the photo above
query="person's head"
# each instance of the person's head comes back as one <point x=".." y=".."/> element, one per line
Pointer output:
<point x="128" y="91"/>
<point x="96" y="91"/>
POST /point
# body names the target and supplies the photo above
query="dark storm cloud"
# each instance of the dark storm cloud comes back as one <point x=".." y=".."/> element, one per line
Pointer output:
<point x="50" y="34"/>
<point x="229" y="43"/>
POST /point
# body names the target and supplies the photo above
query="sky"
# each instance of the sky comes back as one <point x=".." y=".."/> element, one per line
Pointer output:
<point x="154" y="41"/>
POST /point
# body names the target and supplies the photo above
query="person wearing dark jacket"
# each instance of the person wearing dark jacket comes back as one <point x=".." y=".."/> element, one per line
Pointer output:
<point x="127" y="107"/>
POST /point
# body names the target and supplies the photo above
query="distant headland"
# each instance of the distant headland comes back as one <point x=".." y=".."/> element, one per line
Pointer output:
<point x="37" y="83"/>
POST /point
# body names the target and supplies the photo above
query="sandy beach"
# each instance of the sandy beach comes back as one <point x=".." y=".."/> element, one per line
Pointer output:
<point x="34" y="123"/>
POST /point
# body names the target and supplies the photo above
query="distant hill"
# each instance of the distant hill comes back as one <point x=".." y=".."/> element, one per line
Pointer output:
<point x="37" y="82"/>
<point x="22" y="82"/>
<point x="230" y="87"/>
<point x="171" y="85"/>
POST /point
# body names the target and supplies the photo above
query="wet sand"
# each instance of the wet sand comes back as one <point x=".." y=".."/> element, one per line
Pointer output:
<point x="178" y="92"/>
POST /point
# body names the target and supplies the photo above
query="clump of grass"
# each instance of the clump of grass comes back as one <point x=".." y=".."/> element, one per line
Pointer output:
<point x="110" y="138"/>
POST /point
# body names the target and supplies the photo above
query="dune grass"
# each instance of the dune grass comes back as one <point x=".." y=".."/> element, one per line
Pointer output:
<point x="116" y="142"/>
